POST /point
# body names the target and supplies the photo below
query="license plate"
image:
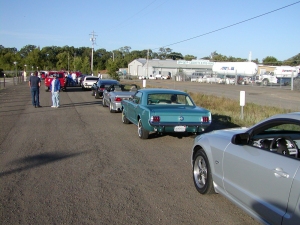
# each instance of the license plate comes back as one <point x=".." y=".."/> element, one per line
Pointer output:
<point x="179" y="129"/>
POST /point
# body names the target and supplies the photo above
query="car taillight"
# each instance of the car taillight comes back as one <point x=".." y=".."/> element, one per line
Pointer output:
<point x="205" y="119"/>
<point x="101" y="89"/>
<point x="117" y="99"/>
<point x="155" y="119"/>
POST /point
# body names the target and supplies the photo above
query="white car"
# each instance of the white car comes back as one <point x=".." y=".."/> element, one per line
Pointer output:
<point x="158" y="76"/>
<point x="257" y="168"/>
<point x="196" y="78"/>
<point x="151" y="77"/>
<point x="88" y="82"/>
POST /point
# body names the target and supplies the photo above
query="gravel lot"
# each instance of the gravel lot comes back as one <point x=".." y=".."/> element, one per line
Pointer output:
<point x="79" y="164"/>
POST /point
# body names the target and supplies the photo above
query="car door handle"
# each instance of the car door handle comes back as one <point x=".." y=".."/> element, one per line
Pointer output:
<point x="278" y="172"/>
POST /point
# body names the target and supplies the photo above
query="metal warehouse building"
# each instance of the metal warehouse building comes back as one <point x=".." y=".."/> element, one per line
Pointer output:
<point x="149" y="68"/>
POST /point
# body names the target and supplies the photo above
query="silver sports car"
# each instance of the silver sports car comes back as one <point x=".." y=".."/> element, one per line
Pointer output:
<point x="257" y="168"/>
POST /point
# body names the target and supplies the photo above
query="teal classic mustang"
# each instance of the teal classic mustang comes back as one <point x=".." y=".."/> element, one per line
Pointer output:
<point x="163" y="111"/>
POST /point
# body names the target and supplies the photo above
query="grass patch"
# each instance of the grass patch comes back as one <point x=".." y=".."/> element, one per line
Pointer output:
<point x="228" y="111"/>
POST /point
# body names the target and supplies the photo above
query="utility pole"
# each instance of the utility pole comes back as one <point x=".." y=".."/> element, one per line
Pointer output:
<point x="93" y="40"/>
<point x="147" y="62"/>
<point x="68" y="63"/>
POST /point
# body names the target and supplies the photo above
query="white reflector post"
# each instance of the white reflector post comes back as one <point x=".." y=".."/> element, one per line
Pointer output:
<point x="242" y="103"/>
<point x="144" y="83"/>
<point x="242" y="98"/>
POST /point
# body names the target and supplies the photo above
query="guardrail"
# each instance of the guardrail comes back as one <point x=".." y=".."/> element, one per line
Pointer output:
<point x="9" y="81"/>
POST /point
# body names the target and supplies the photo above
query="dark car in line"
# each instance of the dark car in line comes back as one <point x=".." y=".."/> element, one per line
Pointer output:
<point x="101" y="85"/>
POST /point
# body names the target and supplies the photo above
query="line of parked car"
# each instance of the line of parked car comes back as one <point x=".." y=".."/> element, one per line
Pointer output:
<point x="257" y="168"/>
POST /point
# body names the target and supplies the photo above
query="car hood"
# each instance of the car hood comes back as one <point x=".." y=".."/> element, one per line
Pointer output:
<point x="227" y="132"/>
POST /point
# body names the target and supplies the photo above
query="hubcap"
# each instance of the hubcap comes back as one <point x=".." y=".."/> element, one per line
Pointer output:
<point x="140" y="128"/>
<point x="200" y="172"/>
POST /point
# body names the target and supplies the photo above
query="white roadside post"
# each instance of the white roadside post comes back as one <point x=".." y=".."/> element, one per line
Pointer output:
<point x="292" y="81"/>
<point x="144" y="83"/>
<point x="242" y="103"/>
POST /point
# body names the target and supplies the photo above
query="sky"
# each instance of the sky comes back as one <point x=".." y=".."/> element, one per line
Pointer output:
<point x="191" y="27"/>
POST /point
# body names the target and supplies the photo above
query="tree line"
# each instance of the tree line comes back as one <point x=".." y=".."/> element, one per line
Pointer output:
<point x="31" y="58"/>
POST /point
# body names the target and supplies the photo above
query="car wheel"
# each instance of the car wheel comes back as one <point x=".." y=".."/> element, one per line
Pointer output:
<point x="265" y="82"/>
<point x="111" y="108"/>
<point x="103" y="102"/>
<point x="124" y="118"/>
<point x="143" y="134"/>
<point x="202" y="174"/>
<point x="97" y="96"/>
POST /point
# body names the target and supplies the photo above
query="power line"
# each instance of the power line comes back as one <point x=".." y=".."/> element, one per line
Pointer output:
<point x="229" y="25"/>
<point x="124" y="21"/>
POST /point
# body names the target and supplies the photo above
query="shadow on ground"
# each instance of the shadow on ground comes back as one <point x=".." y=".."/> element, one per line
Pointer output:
<point x="33" y="161"/>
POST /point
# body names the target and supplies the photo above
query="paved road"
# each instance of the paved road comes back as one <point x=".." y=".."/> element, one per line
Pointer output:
<point x="276" y="96"/>
<point x="79" y="164"/>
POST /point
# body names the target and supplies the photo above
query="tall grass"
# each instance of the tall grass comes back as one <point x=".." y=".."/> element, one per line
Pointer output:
<point x="231" y="110"/>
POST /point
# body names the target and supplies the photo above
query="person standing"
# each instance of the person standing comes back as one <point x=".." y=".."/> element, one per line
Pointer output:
<point x="55" y="88"/>
<point x="35" y="84"/>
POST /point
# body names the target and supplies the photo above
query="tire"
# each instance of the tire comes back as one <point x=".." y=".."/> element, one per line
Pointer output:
<point x="111" y="109"/>
<point x="97" y="96"/>
<point x="124" y="118"/>
<point x="143" y="134"/>
<point x="265" y="82"/>
<point x="103" y="103"/>
<point x="202" y="174"/>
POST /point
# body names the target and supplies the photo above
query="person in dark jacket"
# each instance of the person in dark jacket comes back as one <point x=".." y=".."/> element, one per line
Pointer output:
<point x="55" y="88"/>
<point x="35" y="84"/>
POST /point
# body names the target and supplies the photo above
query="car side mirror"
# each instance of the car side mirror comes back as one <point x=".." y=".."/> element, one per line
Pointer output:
<point x="240" y="139"/>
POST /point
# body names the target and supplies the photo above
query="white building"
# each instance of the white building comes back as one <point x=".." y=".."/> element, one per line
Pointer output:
<point x="173" y="68"/>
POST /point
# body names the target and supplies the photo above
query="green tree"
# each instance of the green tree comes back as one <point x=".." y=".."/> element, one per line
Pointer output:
<point x="78" y="63"/>
<point x="293" y="61"/>
<point x="62" y="63"/>
<point x="112" y="69"/>
<point x="271" y="61"/>
<point x="174" y="56"/>
<point x="163" y="52"/>
<point x="189" y="57"/>
<point x="26" y="50"/>
<point x="86" y="68"/>
<point x="101" y="56"/>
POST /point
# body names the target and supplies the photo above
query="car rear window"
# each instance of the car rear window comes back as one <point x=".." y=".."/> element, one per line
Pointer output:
<point x="58" y="75"/>
<point x="169" y="98"/>
<point x="91" y="78"/>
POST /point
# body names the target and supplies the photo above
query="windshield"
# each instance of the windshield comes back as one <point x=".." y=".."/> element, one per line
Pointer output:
<point x="169" y="98"/>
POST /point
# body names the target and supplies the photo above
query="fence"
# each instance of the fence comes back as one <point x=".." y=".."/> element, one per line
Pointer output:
<point x="10" y="78"/>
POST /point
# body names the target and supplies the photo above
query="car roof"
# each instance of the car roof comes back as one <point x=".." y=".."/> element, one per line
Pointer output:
<point x="161" y="90"/>
<point x="292" y="115"/>
<point x="89" y="76"/>
<point x="108" y="81"/>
